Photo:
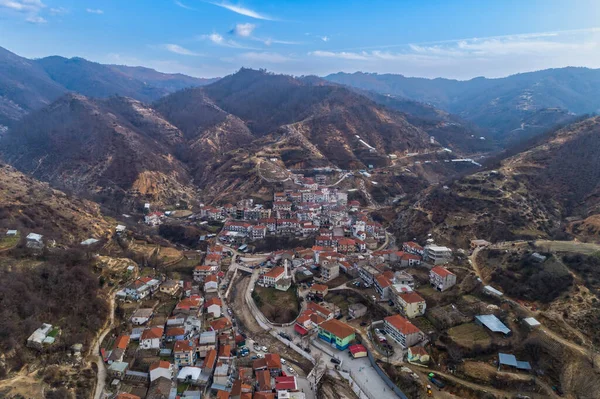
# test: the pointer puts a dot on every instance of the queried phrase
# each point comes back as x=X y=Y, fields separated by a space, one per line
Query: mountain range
x=519 y=105
x=215 y=136
x=126 y=135
x=27 y=85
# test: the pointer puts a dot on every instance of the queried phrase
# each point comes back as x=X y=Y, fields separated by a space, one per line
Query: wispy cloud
x=59 y=11
x=36 y=19
x=465 y=58
x=23 y=5
x=243 y=30
x=177 y=49
x=238 y=9
x=325 y=38
x=219 y=40
x=340 y=54
x=265 y=57
x=94 y=11
x=180 y=4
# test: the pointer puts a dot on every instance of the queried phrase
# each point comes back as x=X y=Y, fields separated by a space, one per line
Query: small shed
x=488 y=289
x=505 y=359
x=357 y=351
x=531 y=322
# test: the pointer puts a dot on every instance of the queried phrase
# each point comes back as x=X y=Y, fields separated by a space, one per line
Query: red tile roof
x=225 y=351
x=213 y=301
x=184 y=345
x=121 y=342
x=401 y=324
x=337 y=328
x=220 y=324
x=442 y=271
x=154 y=332
x=174 y=332
x=411 y=297
x=273 y=360
x=209 y=360
x=287 y=383
x=275 y=272
x=383 y=281
x=162 y=364
x=263 y=378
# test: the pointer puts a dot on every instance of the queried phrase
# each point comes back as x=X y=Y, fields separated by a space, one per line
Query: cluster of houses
x=197 y=345
x=325 y=213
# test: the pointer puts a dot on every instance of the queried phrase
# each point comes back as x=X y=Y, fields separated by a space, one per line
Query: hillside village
x=387 y=319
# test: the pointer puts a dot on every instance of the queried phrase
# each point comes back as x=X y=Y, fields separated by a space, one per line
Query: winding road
x=101 y=377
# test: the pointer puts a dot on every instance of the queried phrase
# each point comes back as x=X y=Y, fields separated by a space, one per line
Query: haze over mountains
x=537 y=100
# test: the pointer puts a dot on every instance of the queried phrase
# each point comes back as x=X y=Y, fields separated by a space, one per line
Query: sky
x=209 y=38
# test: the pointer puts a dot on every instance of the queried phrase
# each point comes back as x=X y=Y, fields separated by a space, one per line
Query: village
x=388 y=319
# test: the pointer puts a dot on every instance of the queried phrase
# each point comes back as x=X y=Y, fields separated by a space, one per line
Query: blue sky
x=455 y=39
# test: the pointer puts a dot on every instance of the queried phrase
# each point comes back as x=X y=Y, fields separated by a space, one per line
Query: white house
x=141 y=316
x=211 y=283
x=151 y=338
x=213 y=306
x=273 y=276
x=159 y=369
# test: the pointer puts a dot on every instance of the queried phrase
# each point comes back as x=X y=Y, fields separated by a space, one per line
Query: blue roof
x=493 y=323
x=523 y=365
x=506 y=359
x=511 y=360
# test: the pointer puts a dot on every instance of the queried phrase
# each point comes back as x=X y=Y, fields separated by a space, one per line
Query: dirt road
x=101 y=378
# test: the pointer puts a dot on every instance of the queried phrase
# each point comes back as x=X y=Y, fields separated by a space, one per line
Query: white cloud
x=265 y=57
x=23 y=5
x=219 y=40
x=325 y=38
x=244 y=30
x=466 y=58
x=341 y=54
x=242 y=10
x=177 y=49
x=180 y=4
x=94 y=11
x=35 y=19
x=59 y=11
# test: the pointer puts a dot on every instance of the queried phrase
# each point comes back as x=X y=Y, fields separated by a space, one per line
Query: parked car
x=291 y=370
x=283 y=361
x=335 y=361
x=264 y=348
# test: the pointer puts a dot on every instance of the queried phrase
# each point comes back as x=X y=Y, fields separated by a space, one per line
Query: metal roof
x=506 y=359
x=493 y=323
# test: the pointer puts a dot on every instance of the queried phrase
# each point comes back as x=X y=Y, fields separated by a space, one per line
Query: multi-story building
x=411 y=304
x=441 y=278
x=184 y=353
x=273 y=276
x=402 y=331
x=329 y=270
x=336 y=333
x=437 y=255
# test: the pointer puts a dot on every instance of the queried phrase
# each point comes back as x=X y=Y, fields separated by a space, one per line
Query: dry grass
x=469 y=335
x=277 y=306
